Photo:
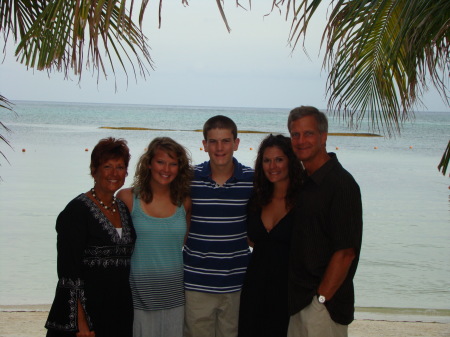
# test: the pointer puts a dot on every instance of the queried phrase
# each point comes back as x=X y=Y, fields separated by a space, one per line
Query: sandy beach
x=15 y=322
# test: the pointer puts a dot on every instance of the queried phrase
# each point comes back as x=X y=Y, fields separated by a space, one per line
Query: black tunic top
x=264 y=298
x=93 y=267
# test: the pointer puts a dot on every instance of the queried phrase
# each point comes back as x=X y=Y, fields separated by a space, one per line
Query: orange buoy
x=86 y=150
x=410 y=147
x=251 y=148
x=201 y=149
x=23 y=150
x=375 y=147
x=337 y=148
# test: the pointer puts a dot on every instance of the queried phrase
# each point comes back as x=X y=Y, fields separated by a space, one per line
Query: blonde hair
x=180 y=186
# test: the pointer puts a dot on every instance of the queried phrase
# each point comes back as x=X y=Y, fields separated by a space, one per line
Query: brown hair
x=109 y=148
x=220 y=122
x=262 y=187
x=180 y=186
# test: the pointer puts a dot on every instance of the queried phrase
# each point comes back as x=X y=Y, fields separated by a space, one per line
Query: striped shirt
x=216 y=253
x=156 y=276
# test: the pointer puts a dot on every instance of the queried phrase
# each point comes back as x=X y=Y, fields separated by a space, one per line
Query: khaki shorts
x=209 y=314
x=315 y=321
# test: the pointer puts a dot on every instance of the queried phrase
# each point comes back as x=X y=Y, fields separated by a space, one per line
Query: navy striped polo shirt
x=216 y=252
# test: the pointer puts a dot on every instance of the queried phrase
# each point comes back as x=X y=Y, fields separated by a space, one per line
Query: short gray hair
x=303 y=111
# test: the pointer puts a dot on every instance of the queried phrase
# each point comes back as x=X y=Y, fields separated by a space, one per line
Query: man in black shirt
x=327 y=234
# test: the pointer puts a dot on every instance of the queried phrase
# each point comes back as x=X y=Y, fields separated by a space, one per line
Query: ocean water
x=404 y=268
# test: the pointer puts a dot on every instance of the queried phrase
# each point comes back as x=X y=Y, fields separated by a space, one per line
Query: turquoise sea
x=404 y=270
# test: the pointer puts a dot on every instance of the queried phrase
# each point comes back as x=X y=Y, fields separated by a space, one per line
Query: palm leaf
x=16 y=17
x=68 y=31
x=443 y=165
x=380 y=56
x=5 y=104
x=364 y=79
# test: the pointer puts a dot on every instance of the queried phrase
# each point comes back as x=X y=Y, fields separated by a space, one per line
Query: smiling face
x=308 y=142
x=110 y=176
x=275 y=164
x=164 y=167
x=220 y=146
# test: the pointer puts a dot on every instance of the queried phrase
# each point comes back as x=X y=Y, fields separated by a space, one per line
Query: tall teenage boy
x=216 y=251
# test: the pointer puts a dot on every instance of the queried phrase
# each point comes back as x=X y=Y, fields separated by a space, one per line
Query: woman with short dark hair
x=95 y=241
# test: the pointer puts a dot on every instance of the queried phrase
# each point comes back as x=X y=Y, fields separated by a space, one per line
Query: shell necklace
x=111 y=208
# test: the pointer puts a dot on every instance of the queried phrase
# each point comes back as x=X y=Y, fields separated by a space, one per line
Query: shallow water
x=405 y=253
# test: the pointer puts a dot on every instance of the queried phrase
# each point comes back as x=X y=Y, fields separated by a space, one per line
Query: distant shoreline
x=344 y=134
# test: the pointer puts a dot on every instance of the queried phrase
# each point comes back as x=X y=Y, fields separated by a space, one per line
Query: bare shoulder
x=188 y=209
x=126 y=195
x=187 y=203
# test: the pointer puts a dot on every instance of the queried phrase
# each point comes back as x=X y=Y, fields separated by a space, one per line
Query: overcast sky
x=197 y=62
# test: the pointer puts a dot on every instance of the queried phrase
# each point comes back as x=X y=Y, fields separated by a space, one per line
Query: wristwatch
x=321 y=299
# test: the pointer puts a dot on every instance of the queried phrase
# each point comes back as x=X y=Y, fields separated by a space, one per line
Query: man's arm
x=336 y=272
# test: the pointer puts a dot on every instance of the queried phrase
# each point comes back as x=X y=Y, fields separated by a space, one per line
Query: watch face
x=321 y=299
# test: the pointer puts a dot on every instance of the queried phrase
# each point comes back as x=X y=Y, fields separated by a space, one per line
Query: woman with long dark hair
x=264 y=298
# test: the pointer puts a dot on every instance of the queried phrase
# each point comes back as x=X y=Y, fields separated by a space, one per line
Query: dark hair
x=220 y=122
x=180 y=186
x=303 y=111
x=262 y=187
x=109 y=148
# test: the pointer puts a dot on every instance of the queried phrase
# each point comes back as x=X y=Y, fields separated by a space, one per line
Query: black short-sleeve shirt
x=328 y=218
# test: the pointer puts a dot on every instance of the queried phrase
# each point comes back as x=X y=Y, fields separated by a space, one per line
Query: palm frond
x=68 y=30
x=5 y=104
x=428 y=45
x=16 y=17
x=381 y=55
x=443 y=165
x=364 y=78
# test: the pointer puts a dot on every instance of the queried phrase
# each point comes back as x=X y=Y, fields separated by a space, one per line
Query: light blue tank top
x=156 y=276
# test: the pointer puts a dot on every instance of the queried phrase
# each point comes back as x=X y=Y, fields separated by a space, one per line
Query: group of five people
x=171 y=255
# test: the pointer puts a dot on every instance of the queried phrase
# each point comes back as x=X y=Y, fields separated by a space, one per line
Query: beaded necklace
x=111 y=208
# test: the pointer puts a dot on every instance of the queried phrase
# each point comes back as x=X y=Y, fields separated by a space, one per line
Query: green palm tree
x=67 y=35
x=381 y=54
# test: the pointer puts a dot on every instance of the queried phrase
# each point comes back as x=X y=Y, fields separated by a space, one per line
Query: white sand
x=30 y=323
